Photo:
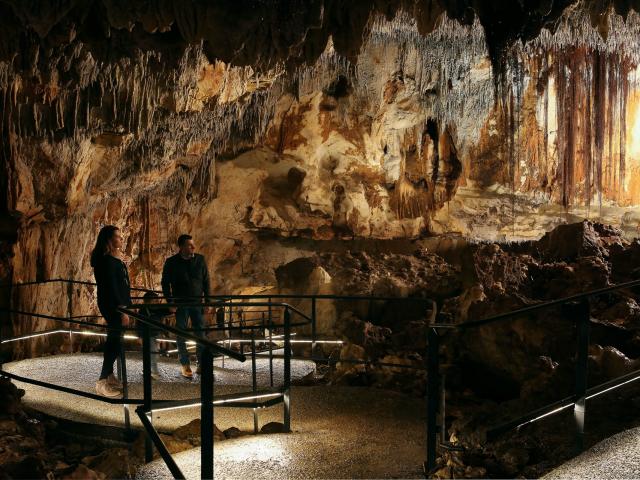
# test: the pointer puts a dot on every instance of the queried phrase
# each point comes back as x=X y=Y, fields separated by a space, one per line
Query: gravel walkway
x=338 y=432
x=80 y=371
x=617 y=457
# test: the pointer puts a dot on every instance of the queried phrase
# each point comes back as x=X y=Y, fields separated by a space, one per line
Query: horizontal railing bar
x=549 y=304
x=232 y=297
x=255 y=403
x=43 y=333
x=164 y=405
x=565 y=403
x=73 y=391
x=158 y=306
x=532 y=416
x=344 y=360
x=61 y=319
x=66 y=280
x=613 y=384
x=224 y=297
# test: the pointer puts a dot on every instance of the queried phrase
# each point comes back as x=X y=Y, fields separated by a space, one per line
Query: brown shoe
x=186 y=371
x=114 y=382
x=103 y=388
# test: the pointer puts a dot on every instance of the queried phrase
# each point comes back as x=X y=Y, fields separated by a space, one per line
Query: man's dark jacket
x=185 y=278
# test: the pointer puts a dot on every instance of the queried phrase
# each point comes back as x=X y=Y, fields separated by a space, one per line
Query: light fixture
x=70 y=332
x=218 y=402
x=614 y=387
x=559 y=409
x=33 y=335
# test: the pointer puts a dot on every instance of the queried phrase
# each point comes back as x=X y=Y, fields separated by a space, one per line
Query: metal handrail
x=184 y=334
x=63 y=319
x=577 y=400
x=540 y=306
x=66 y=280
x=144 y=411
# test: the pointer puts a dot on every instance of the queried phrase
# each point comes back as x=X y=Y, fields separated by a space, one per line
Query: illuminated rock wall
x=424 y=126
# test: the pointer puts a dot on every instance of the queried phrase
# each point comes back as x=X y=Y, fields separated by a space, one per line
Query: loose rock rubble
x=496 y=372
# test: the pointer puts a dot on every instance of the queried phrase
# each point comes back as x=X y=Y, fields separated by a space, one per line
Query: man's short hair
x=183 y=238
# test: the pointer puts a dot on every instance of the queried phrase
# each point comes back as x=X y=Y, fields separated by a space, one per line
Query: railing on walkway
x=254 y=399
x=259 y=315
x=579 y=309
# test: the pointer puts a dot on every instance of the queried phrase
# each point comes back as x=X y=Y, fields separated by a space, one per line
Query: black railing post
x=254 y=380
x=206 y=415
x=433 y=394
x=313 y=325
x=70 y=299
x=122 y=373
x=270 y=344
x=287 y=370
x=582 y=312
x=146 y=387
x=162 y=448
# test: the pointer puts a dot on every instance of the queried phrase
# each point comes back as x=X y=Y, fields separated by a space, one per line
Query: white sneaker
x=114 y=382
x=103 y=388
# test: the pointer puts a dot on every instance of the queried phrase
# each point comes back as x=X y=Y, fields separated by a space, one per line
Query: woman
x=113 y=293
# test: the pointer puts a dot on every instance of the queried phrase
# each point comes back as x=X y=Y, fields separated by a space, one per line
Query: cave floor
x=338 y=431
x=80 y=371
x=615 y=457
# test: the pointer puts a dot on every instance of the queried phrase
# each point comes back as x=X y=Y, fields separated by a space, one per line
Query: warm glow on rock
x=634 y=151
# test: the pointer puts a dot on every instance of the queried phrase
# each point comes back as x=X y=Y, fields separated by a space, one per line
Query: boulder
x=584 y=239
x=273 y=427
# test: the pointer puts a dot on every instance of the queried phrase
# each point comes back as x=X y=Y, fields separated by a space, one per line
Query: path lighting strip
x=218 y=402
x=257 y=340
x=559 y=409
x=588 y=397
x=74 y=332
x=614 y=387
x=168 y=340
x=94 y=334
x=33 y=335
x=191 y=347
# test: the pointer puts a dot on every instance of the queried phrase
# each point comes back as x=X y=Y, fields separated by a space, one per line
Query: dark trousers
x=113 y=344
x=182 y=315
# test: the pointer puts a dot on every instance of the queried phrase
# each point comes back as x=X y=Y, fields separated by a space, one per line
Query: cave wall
x=375 y=120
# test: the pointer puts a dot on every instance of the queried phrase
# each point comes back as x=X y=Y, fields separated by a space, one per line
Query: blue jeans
x=182 y=314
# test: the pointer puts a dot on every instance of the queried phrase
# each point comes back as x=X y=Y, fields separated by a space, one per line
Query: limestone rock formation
x=374 y=120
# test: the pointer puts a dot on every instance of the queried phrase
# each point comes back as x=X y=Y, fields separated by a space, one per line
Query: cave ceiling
x=262 y=33
x=315 y=120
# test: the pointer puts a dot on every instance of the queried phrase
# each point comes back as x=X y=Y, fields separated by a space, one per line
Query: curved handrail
x=217 y=304
x=62 y=319
x=578 y=400
x=181 y=333
x=66 y=280
x=233 y=297
x=147 y=404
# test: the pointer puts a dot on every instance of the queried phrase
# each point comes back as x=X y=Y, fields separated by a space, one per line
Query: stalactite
x=587 y=120
x=599 y=96
x=611 y=116
x=623 y=78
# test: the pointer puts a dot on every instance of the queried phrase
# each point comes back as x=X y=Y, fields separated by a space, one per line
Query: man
x=185 y=279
